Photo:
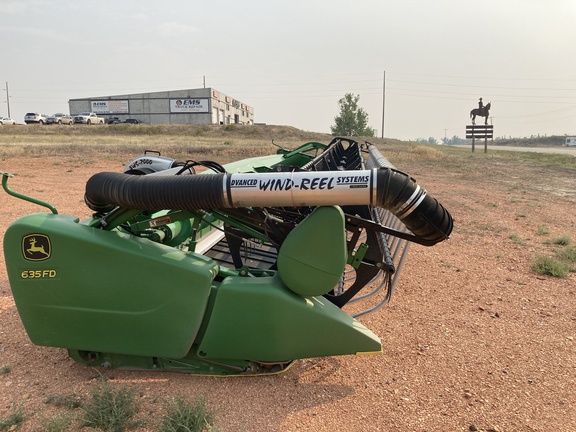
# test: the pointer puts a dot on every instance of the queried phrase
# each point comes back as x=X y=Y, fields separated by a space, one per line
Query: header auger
x=240 y=269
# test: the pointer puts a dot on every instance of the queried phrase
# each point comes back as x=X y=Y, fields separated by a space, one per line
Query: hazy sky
x=293 y=60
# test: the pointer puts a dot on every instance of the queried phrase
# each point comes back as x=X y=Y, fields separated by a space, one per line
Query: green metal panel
x=256 y=164
x=297 y=157
x=313 y=256
x=260 y=319
x=105 y=291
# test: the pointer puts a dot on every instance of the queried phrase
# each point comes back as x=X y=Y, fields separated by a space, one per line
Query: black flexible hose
x=420 y=212
x=104 y=191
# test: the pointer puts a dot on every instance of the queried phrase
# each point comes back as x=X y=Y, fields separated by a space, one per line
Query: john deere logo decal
x=36 y=247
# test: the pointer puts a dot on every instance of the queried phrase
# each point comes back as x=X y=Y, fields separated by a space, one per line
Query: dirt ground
x=472 y=339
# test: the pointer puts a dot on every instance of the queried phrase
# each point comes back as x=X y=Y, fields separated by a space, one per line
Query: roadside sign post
x=480 y=131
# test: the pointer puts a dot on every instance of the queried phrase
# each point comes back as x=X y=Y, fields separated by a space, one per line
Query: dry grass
x=232 y=142
x=412 y=153
x=221 y=143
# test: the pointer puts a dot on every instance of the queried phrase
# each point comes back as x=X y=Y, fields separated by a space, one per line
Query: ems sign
x=199 y=105
x=110 y=106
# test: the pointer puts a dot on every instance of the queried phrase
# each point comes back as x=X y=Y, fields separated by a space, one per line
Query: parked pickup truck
x=88 y=118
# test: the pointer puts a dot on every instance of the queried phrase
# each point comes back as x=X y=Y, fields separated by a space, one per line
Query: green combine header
x=240 y=269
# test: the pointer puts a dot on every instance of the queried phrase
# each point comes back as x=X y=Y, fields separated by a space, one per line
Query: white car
x=7 y=121
x=31 y=118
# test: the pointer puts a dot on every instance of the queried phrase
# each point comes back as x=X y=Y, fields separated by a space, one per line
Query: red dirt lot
x=473 y=339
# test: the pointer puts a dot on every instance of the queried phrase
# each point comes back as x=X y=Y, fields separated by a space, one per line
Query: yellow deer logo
x=36 y=247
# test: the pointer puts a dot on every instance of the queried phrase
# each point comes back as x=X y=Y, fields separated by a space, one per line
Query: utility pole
x=7 y=99
x=204 y=80
x=383 y=101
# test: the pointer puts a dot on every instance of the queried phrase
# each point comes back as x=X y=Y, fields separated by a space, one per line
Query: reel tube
x=384 y=187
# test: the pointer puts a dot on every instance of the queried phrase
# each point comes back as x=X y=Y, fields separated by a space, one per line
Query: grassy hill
x=227 y=143
x=235 y=141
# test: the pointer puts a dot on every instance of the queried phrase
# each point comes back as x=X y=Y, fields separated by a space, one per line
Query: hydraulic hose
x=389 y=188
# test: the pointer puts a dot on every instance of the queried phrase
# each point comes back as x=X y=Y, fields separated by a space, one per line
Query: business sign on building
x=109 y=106
x=199 y=105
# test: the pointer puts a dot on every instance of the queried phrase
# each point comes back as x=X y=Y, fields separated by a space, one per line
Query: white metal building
x=193 y=106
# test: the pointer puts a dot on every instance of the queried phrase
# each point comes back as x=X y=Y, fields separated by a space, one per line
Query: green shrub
x=516 y=239
x=110 y=409
x=562 y=241
x=567 y=254
x=59 y=423
x=13 y=421
x=542 y=230
x=70 y=402
x=549 y=266
x=182 y=416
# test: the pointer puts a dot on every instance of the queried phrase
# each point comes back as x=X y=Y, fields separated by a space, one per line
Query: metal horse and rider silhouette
x=481 y=111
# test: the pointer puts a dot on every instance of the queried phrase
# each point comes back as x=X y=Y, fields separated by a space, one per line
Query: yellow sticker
x=38 y=274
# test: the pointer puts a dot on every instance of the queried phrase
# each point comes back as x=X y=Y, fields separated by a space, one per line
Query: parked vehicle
x=59 y=118
x=7 y=121
x=116 y=120
x=35 y=118
x=570 y=141
x=88 y=118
